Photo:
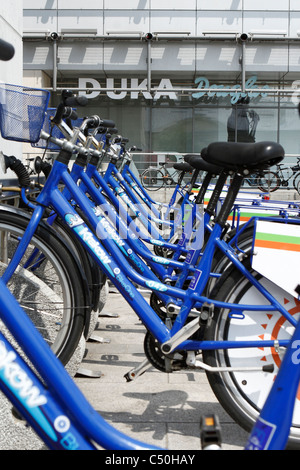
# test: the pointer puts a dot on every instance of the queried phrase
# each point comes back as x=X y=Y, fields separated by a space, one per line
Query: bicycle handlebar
x=64 y=109
x=94 y=122
x=7 y=50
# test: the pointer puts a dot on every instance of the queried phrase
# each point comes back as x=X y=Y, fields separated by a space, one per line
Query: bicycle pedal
x=210 y=432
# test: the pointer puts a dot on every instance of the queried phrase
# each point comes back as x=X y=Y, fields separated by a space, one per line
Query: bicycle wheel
x=268 y=182
x=152 y=179
x=48 y=283
x=243 y=393
x=296 y=182
x=96 y=278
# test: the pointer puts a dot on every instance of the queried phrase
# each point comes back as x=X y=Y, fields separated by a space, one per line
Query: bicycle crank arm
x=137 y=371
x=184 y=333
x=196 y=364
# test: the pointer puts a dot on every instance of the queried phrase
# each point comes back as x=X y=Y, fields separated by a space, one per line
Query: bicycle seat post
x=230 y=198
x=200 y=196
x=214 y=199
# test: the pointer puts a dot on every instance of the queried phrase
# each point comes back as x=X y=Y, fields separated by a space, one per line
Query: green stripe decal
x=278 y=238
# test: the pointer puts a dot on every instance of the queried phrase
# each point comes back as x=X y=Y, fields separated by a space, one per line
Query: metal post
x=243 y=67
x=54 y=37
x=243 y=39
x=54 y=65
x=149 y=37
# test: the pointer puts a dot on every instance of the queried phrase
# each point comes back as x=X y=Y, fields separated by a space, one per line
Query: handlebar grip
x=70 y=113
x=96 y=121
x=108 y=123
x=76 y=101
x=7 y=50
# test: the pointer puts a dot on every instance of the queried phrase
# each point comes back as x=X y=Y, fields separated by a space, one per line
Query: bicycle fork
x=23 y=243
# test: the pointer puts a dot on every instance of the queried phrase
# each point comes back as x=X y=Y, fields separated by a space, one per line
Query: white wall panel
x=217 y=57
x=128 y=5
x=294 y=59
x=265 y=21
x=266 y=5
x=142 y=16
x=11 y=71
x=80 y=56
x=219 y=21
x=294 y=5
x=173 y=58
x=133 y=21
x=177 y=21
x=294 y=23
x=219 y=4
x=80 y=5
x=267 y=57
x=38 y=56
x=80 y=20
x=120 y=57
x=39 y=4
x=174 y=5
x=40 y=20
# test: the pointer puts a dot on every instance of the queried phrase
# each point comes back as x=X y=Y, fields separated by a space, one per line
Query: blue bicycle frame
x=272 y=428
x=55 y=408
x=122 y=274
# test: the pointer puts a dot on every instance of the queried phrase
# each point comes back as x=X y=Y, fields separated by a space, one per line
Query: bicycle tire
x=296 y=182
x=152 y=179
x=268 y=183
x=53 y=291
x=243 y=393
x=96 y=278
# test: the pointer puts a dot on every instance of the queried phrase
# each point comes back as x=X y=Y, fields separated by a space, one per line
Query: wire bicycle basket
x=22 y=112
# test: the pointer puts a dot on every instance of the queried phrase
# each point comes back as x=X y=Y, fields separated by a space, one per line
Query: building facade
x=172 y=75
x=11 y=30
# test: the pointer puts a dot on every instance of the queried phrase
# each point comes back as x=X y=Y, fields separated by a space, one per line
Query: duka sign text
x=133 y=88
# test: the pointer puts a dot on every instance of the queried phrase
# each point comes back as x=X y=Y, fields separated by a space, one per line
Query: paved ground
x=163 y=409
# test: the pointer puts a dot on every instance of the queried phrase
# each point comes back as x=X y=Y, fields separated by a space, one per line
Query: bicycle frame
x=54 y=407
x=122 y=274
x=125 y=192
x=271 y=430
x=132 y=180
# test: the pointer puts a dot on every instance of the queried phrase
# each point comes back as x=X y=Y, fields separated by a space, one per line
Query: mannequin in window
x=242 y=122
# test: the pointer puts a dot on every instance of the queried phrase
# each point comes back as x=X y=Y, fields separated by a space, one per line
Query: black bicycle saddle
x=183 y=166
x=239 y=156
x=197 y=161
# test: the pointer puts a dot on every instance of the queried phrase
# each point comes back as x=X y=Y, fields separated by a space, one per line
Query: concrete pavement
x=158 y=408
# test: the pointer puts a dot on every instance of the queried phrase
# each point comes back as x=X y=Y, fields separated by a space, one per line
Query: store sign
x=235 y=94
x=133 y=84
x=132 y=88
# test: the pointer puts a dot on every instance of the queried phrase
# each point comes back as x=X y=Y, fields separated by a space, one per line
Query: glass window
x=210 y=125
x=172 y=129
x=289 y=131
x=187 y=125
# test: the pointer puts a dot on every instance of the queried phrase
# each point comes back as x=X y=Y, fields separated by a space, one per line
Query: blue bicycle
x=176 y=346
